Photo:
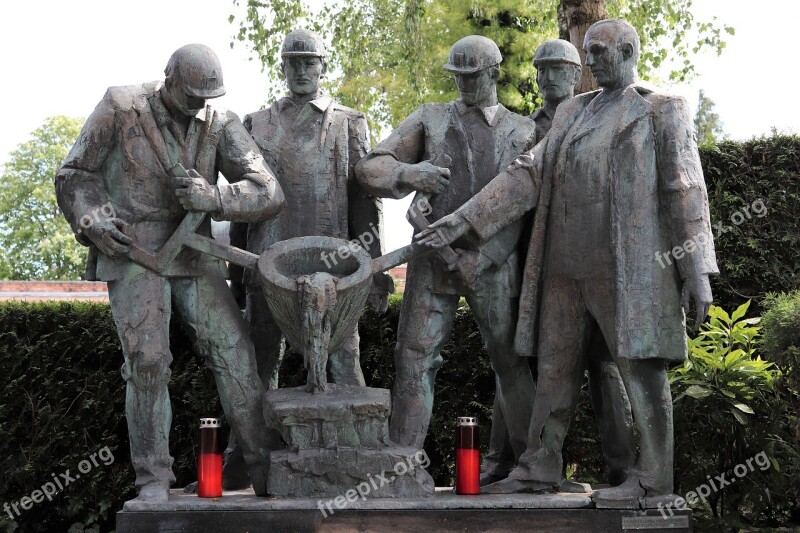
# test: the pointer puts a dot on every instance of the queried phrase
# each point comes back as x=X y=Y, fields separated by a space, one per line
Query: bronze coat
x=658 y=202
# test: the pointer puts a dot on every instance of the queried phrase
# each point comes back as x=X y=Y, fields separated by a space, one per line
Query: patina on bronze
x=617 y=180
x=312 y=143
x=450 y=151
x=558 y=68
x=132 y=154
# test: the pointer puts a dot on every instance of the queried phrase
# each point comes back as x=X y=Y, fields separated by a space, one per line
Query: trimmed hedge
x=757 y=254
x=63 y=400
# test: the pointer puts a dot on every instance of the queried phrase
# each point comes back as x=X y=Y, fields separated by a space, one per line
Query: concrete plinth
x=393 y=472
x=343 y=417
x=241 y=511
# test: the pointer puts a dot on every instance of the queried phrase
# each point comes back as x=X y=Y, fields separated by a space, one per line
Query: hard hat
x=198 y=69
x=472 y=54
x=557 y=50
x=303 y=43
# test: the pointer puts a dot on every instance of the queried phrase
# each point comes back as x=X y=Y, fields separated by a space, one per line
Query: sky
x=60 y=56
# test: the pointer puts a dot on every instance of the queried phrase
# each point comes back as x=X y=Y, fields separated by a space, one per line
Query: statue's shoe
x=630 y=489
x=234 y=473
x=259 y=474
x=487 y=478
x=574 y=487
x=517 y=486
x=155 y=491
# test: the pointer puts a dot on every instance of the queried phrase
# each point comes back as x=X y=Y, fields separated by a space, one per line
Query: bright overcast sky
x=59 y=57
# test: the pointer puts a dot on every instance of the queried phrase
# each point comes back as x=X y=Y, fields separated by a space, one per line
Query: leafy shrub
x=782 y=345
x=725 y=405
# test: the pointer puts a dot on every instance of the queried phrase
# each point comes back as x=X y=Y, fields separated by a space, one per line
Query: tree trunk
x=574 y=18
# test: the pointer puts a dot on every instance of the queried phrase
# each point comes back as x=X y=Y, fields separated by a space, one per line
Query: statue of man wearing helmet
x=446 y=153
x=129 y=161
x=616 y=180
x=312 y=143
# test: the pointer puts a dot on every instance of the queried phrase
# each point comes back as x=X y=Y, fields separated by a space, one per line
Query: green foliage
x=759 y=254
x=707 y=124
x=388 y=54
x=724 y=368
x=724 y=411
x=781 y=345
x=64 y=399
x=669 y=35
x=35 y=240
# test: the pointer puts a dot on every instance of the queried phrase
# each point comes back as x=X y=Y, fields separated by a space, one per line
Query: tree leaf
x=697 y=392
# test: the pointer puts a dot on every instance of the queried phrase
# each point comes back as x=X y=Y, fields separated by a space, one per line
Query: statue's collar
x=321 y=103
x=489 y=113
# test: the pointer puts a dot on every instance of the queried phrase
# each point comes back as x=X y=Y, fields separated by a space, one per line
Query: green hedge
x=758 y=255
x=63 y=400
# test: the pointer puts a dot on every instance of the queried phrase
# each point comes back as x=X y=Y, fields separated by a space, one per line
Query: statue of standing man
x=450 y=151
x=558 y=69
x=312 y=143
x=619 y=181
x=126 y=162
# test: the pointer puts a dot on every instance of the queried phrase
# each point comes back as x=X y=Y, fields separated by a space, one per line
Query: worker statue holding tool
x=130 y=161
x=312 y=143
x=449 y=152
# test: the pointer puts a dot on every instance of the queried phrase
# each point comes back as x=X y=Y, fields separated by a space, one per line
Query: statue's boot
x=495 y=470
x=631 y=489
x=234 y=470
x=259 y=475
x=511 y=485
x=487 y=478
x=154 y=491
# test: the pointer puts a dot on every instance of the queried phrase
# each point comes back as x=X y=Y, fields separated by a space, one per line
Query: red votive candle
x=468 y=456
x=209 y=462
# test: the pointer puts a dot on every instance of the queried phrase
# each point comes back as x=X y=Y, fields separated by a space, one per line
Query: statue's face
x=476 y=87
x=188 y=105
x=604 y=57
x=556 y=80
x=303 y=74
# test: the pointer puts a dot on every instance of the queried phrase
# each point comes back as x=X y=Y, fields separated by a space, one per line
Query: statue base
x=338 y=442
x=239 y=511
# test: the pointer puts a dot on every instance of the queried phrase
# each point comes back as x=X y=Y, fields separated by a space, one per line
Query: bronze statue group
x=548 y=225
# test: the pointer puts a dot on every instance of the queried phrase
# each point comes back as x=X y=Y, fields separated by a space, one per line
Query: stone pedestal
x=241 y=511
x=356 y=417
x=338 y=446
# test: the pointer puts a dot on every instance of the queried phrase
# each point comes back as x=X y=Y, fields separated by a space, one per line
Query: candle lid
x=210 y=423
x=467 y=421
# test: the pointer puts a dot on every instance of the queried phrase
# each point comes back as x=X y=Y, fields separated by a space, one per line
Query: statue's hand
x=426 y=177
x=470 y=265
x=444 y=231
x=196 y=194
x=382 y=287
x=108 y=234
x=698 y=289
